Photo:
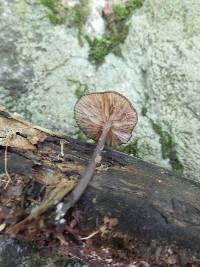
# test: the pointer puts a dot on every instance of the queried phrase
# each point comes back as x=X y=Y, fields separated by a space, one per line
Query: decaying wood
x=15 y=132
x=56 y=195
x=149 y=202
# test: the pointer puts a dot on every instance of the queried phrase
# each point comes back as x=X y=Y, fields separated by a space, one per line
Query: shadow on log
x=149 y=202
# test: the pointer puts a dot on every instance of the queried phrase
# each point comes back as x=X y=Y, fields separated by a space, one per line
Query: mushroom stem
x=75 y=195
x=9 y=179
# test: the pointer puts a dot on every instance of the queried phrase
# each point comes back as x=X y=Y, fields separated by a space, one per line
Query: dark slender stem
x=75 y=195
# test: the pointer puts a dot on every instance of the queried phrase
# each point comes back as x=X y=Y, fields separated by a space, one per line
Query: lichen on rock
x=158 y=59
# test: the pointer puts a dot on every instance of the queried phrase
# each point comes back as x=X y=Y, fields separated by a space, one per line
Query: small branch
x=9 y=180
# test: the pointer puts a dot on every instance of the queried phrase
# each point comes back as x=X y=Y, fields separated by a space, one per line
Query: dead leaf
x=63 y=188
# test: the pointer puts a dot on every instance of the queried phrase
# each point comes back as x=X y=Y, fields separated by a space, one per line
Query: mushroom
x=108 y=118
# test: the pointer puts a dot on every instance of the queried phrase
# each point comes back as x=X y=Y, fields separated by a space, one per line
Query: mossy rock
x=168 y=148
x=115 y=34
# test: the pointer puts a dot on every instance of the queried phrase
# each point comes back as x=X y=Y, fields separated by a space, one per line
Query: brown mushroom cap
x=93 y=110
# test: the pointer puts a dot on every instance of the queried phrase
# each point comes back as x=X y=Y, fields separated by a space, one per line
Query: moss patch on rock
x=168 y=148
x=81 y=89
x=59 y=14
x=55 y=12
x=115 y=33
x=144 y=108
x=80 y=13
x=116 y=24
x=131 y=148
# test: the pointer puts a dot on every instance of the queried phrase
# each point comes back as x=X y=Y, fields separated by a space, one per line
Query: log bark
x=149 y=202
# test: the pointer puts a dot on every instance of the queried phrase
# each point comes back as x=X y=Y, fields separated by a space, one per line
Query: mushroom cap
x=93 y=110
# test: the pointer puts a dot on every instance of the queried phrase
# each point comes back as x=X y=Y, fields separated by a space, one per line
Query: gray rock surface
x=15 y=253
x=42 y=67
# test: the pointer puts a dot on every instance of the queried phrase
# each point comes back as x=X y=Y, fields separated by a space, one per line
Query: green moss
x=109 y=42
x=144 y=108
x=58 y=14
x=80 y=88
x=78 y=17
x=51 y=4
x=131 y=148
x=157 y=128
x=55 y=19
x=133 y=4
x=99 y=48
x=168 y=148
x=80 y=13
x=80 y=136
x=79 y=92
x=144 y=111
x=116 y=25
x=115 y=33
x=120 y=11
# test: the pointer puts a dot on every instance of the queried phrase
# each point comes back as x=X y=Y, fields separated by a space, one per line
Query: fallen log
x=149 y=202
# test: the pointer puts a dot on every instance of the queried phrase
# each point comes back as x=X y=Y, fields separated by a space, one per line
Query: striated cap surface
x=93 y=110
